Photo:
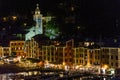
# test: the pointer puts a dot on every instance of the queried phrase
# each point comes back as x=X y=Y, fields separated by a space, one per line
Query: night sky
x=95 y=17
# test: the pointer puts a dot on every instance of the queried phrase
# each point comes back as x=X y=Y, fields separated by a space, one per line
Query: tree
x=51 y=29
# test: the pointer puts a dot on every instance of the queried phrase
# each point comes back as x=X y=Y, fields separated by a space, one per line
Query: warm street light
x=63 y=63
x=104 y=68
x=14 y=18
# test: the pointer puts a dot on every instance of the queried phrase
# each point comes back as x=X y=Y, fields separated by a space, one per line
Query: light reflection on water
x=21 y=75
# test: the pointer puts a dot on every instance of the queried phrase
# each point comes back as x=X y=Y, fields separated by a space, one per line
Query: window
x=98 y=52
x=95 y=57
x=48 y=58
x=82 y=61
x=116 y=64
x=116 y=57
x=90 y=56
x=52 y=54
x=52 y=59
x=111 y=56
x=90 y=62
x=70 y=60
x=85 y=54
x=85 y=51
x=11 y=43
x=81 y=55
x=111 y=64
x=98 y=57
x=48 y=54
x=85 y=62
x=65 y=60
x=65 y=54
x=77 y=61
x=103 y=56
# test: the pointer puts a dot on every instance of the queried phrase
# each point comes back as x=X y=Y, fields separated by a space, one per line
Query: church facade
x=38 y=28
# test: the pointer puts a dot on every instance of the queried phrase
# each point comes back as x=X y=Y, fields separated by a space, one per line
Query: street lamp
x=104 y=68
x=14 y=17
x=63 y=63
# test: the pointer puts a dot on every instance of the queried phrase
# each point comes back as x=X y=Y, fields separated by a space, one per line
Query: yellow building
x=60 y=55
x=79 y=56
x=17 y=48
x=97 y=57
x=67 y=55
x=49 y=53
x=94 y=57
x=1 y=51
x=87 y=57
x=5 y=51
x=32 y=49
x=110 y=57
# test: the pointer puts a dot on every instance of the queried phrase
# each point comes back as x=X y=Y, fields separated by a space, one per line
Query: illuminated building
x=51 y=30
x=49 y=53
x=68 y=56
x=110 y=57
x=38 y=28
x=17 y=48
x=1 y=52
x=93 y=57
x=87 y=57
x=65 y=54
x=97 y=57
x=32 y=49
x=69 y=52
x=79 y=56
x=60 y=54
x=5 y=51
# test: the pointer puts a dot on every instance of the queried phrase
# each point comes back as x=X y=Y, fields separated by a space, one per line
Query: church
x=38 y=28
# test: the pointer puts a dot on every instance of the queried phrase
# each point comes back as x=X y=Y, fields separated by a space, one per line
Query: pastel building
x=32 y=49
x=49 y=54
x=68 y=56
x=5 y=51
x=17 y=48
x=60 y=55
x=111 y=57
x=79 y=56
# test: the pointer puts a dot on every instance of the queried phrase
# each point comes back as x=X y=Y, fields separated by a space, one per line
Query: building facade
x=79 y=56
x=65 y=55
x=110 y=57
x=38 y=28
x=17 y=48
x=49 y=54
x=5 y=51
x=32 y=49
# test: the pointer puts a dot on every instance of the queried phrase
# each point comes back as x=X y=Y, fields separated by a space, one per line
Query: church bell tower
x=37 y=17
